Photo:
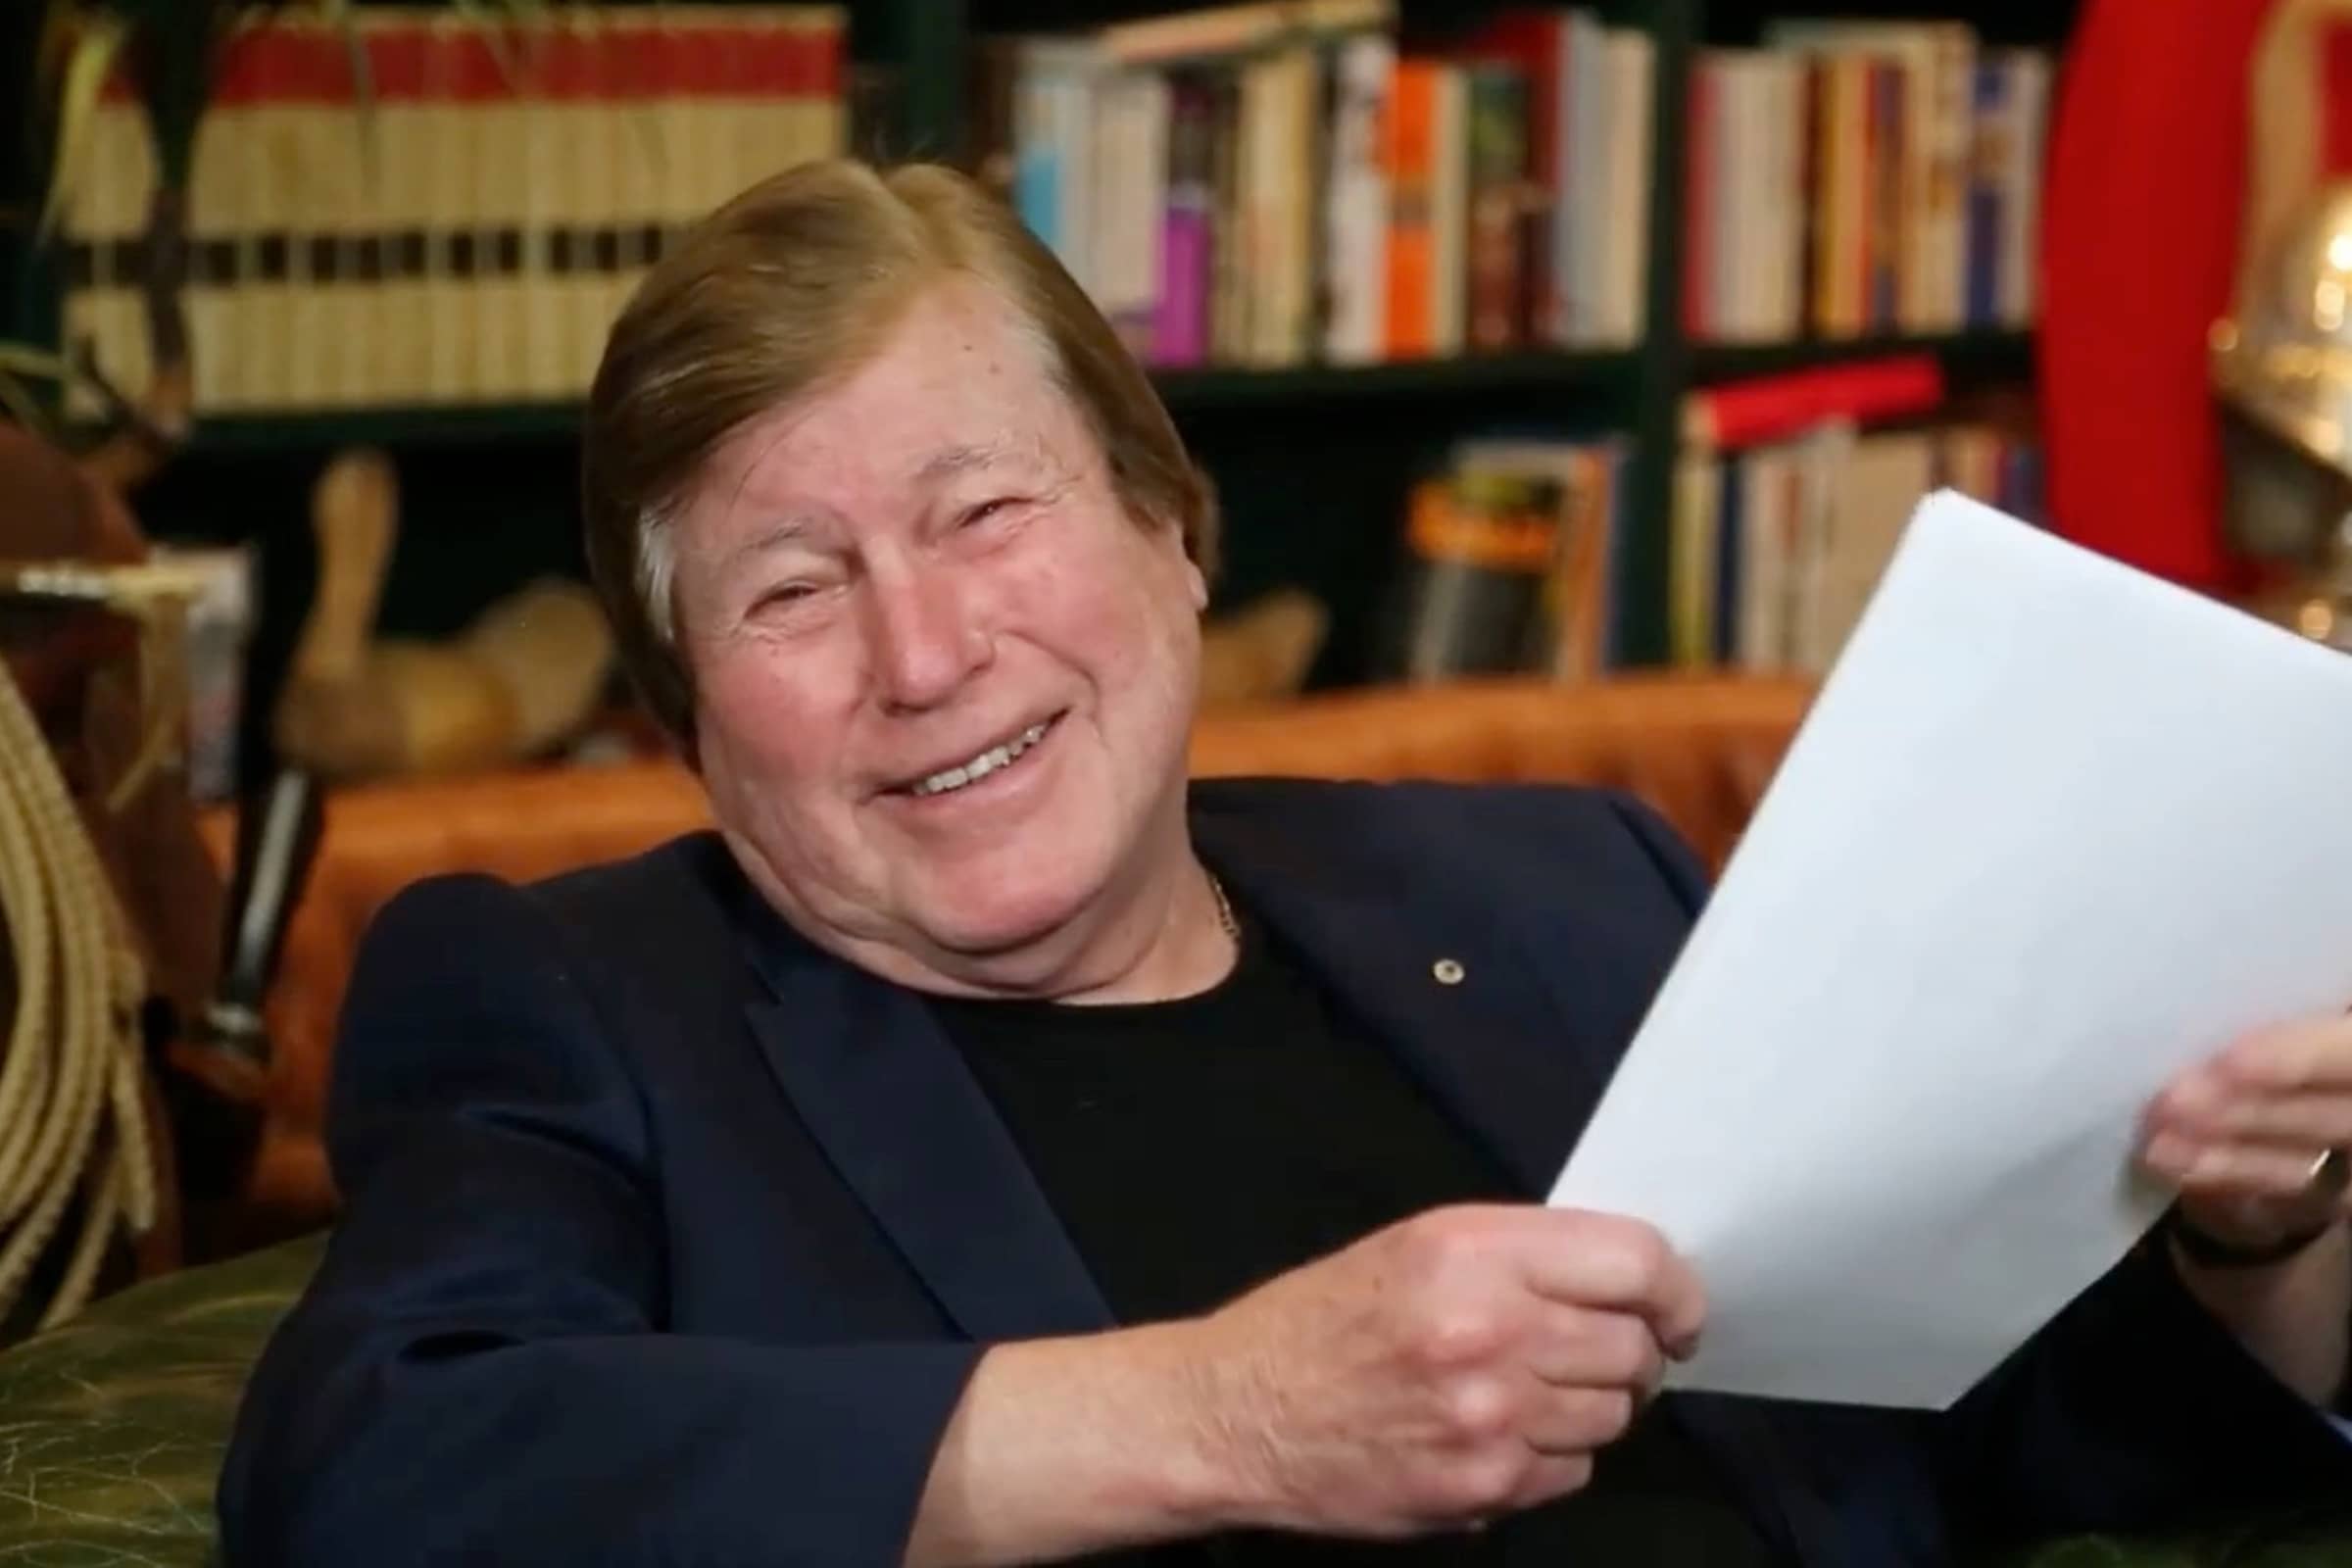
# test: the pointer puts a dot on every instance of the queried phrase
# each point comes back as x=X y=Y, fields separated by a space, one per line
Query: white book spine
x=1131 y=190
x=502 y=313
x=592 y=130
x=541 y=155
x=1793 y=198
x=1584 y=220
x=1356 y=215
x=216 y=224
x=337 y=168
x=285 y=367
x=401 y=368
x=1631 y=102
x=447 y=159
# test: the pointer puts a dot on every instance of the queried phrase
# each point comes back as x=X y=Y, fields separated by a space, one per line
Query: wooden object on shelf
x=1261 y=651
x=516 y=682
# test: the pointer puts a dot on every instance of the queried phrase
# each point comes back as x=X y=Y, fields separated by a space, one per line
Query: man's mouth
x=964 y=774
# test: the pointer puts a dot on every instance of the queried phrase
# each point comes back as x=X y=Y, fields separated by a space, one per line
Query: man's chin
x=996 y=924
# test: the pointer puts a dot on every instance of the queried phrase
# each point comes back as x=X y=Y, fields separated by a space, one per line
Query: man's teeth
x=979 y=767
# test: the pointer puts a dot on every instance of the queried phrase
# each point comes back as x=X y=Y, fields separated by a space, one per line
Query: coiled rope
x=71 y=1118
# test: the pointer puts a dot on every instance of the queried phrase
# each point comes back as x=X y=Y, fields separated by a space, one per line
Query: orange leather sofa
x=1699 y=750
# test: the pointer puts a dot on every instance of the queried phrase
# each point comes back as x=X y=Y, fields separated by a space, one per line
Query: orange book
x=1410 y=154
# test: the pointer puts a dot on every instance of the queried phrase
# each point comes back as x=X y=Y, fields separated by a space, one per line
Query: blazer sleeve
x=2132 y=1409
x=479 y=1372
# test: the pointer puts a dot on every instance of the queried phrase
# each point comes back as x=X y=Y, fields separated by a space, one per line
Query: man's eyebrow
x=967 y=457
x=775 y=536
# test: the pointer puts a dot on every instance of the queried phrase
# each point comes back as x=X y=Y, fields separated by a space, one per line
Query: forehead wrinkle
x=796 y=523
x=751 y=462
x=972 y=456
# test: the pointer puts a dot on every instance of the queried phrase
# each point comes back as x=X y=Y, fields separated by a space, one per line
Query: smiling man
x=989 y=1148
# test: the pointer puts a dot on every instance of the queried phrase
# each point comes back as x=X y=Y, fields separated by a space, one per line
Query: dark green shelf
x=1242 y=387
x=1602 y=374
x=1974 y=354
x=430 y=426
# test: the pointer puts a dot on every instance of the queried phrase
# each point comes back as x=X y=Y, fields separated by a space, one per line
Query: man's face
x=942 y=681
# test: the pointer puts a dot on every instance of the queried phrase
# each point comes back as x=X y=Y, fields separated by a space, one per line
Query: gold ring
x=2331 y=1173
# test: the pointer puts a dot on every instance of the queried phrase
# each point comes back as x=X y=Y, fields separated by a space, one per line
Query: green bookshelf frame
x=919 y=49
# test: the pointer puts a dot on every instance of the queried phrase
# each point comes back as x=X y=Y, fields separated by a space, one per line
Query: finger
x=2309 y=1053
x=2202 y=1112
x=1575 y=1347
x=2233 y=1170
x=1571 y=1421
x=1612 y=1262
x=1551 y=1476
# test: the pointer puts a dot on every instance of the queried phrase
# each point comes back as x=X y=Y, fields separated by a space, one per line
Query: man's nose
x=925 y=637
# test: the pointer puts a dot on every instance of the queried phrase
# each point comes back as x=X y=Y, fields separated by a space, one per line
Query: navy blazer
x=671 y=1239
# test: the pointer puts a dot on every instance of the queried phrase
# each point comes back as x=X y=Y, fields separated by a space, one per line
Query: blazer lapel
x=914 y=1135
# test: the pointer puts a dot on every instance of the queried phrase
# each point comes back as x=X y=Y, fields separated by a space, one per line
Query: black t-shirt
x=1197 y=1148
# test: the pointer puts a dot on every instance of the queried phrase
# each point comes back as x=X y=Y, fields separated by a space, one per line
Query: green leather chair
x=112 y=1431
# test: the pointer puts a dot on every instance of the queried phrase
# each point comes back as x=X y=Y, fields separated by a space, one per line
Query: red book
x=1772 y=407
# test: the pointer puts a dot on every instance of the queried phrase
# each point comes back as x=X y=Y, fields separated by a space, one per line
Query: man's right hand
x=1459 y=1365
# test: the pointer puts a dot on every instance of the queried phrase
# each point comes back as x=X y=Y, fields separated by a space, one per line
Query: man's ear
x=1196 y=584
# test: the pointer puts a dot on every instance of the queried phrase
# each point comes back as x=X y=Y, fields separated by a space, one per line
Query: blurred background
x=1561 y=340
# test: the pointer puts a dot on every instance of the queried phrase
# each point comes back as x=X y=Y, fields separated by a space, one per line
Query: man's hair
x=788 y=290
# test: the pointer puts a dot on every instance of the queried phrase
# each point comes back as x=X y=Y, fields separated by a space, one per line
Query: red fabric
x=2141 y=208
x=2335 y=136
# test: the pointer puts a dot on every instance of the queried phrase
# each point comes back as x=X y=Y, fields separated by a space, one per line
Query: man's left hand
x=2245 y=1136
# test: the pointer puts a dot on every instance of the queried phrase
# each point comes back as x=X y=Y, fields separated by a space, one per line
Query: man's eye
x=789 y=594
x=985 y=511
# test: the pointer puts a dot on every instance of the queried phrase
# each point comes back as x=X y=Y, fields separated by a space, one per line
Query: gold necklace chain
x=1233 y=927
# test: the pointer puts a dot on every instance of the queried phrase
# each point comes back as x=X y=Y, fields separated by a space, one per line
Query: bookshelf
x=502 y=471
x=1965 y=355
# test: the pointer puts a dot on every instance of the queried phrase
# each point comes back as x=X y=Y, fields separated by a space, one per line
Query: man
x=986 y=1148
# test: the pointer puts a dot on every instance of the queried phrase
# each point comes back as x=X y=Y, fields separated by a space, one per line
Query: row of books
x=1778 y=547
x=427 y=204
x=1863 y=177
x=1277 y=183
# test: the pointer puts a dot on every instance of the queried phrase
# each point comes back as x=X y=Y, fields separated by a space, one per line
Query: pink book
x=1180 y=328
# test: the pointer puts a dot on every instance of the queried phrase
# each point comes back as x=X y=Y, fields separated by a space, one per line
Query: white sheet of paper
x=2052 y=830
